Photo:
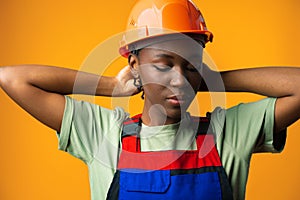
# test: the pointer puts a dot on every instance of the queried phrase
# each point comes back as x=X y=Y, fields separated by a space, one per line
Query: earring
x=138 y=84
x=143 y=95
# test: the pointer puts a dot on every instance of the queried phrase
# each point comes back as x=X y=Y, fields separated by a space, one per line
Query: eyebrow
x=162 y=55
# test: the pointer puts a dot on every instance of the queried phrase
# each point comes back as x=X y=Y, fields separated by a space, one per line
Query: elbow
x=9 y=77
x=4 y=76
x=2 y=71
x=1 y=74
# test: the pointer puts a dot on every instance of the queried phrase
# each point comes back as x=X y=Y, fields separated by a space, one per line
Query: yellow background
x=62 y=33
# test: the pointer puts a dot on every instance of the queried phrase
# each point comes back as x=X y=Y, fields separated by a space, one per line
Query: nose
x=179 y=78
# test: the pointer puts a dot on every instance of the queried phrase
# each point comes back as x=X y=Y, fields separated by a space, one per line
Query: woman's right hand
x=124 y=83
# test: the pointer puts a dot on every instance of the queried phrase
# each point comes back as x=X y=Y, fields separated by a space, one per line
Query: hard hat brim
x=125 y=50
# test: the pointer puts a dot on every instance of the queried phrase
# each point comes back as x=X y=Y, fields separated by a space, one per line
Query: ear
x=133 y=62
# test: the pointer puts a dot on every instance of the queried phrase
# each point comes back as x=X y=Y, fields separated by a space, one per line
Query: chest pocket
x=167 y=184
x=146 y=182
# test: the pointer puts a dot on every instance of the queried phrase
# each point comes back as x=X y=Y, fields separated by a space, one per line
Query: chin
x=176 y=113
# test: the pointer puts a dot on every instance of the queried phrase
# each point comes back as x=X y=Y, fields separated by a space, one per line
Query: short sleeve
x=241 y=131
x=249 y=127
x=85 y=126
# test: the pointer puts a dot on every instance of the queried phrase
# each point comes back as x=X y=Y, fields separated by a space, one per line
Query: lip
x=176 y=100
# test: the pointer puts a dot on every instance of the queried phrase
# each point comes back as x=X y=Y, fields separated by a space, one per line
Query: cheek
x=195 y=81
x=153 y=88
x=155 y=93
x=154 y=77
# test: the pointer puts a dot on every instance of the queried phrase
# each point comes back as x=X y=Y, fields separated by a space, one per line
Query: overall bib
x=171 y=174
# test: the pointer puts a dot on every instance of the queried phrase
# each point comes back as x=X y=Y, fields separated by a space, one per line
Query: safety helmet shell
x=152 y=18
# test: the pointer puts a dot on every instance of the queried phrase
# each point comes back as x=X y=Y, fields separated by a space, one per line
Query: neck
x=156 y=116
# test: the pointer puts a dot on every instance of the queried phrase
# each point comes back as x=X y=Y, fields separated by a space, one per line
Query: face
x=170 y=73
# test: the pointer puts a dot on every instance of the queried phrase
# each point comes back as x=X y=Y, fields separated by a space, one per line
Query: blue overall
x=172 y=174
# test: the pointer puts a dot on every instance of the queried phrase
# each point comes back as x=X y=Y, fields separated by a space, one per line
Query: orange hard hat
x=153 y=18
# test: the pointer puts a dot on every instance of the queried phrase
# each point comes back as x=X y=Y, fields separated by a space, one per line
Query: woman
x=169 y=72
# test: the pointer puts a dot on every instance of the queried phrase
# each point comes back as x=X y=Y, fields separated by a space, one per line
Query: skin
x=165 y=71
x=169 y=80
x=40 y=90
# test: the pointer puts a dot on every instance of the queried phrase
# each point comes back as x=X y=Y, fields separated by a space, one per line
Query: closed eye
x=162 y=68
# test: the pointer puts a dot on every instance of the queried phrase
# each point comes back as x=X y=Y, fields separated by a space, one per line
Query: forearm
x=280 y=82
x=267 y=81
x=39 y=90
x=56 y=80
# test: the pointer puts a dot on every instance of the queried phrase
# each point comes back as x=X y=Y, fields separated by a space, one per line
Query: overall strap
x=132 y=126
x=203 y=125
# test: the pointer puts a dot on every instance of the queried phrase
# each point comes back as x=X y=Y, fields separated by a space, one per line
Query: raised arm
x=40 y=90
x=280 y=82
